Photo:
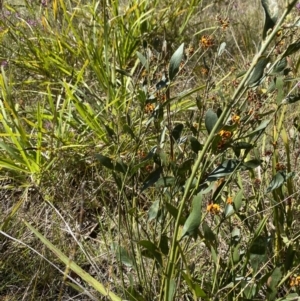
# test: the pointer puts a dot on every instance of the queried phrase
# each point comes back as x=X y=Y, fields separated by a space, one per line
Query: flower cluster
x=229 y=200
x=149 y=108
x=224 y=23
x=225 y=137
x=213 y=208
x=206 y=41
x=295 y=281
x=280 y=167
x=236 y=119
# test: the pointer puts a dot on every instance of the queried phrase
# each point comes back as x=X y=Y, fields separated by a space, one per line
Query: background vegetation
x=149 y=150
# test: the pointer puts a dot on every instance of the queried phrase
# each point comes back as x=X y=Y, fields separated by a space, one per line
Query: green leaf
x=251 y=164
x=149 y=245
x=163 y=244
x=194 y=287
x=153 y=211
x=229 y=210
x=275 y=278
x=272 y=282
x=176 y=132
x=151 y=250
x=184 y=167
x=108 y=163
x=294 y=47
x=151 y=179
x=258 y=252
x=211 y=119
x=242 y=145
x=238 y=200
x=277 y=181
x=194 y=219
x=195 y=144
x=175 y=61
x=260 y=128
x=110 y=132
x=236 y=254
x=279 y=67
x=122 y=255
x=207 y=232
x=143 y=60
x=223 y=170
x=257 y=73
x=271 y=15
x=165 y=182
x=236 y=234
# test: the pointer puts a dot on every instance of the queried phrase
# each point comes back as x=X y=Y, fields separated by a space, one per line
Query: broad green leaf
x=151 y=179
x=258 y=253
x=143 y=60
x=127 y=129
x=153 y=211
x=236 y=254
x=207 y=232
x=251 y=164
x=238 y=200
x=223 y=170
x=279 y=67
x=122 y=254
x=271 y=15
x=175 y=61
x=163 y=244
x=294 y=47
x=211 y=119
x=184 y=167
x=257 y=73
x=229 y=210
x=242 y=145
x=272 y=282
x=194 y=287
x=105 y=161
x=149 y=245
x=277 y=181
x=108 y=163
x=176 y=132
x=209 y=188
x=236 y=234
x=194 y=219
x=195 y=144
x=260 y=128
x=110 y=132
x=165 y=182
x=275 y=278
x=151 y=250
